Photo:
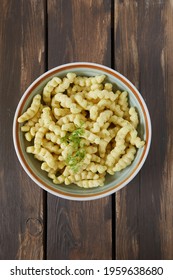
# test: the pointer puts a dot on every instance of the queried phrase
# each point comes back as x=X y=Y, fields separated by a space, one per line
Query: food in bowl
x=112 y=183
x=80 y=129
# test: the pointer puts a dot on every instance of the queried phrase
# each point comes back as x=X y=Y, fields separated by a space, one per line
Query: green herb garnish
x=75 y=157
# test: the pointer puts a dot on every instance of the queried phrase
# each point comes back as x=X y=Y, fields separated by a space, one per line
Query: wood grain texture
x=144 y=31
x=150 y=45
x=166 y=198
x=21 y=60
x=127 y=62
x=79 y=230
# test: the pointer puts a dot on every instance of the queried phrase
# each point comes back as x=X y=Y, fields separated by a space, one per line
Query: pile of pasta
x=80 y=129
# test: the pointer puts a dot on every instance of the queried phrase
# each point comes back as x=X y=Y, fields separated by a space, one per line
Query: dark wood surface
x=135 y=37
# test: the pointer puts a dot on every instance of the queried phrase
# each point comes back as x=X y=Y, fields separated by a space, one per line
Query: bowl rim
x=94 y=66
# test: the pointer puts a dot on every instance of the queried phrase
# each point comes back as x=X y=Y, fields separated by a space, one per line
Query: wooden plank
x=79 y=31
x=126 y=62
x=142 y=206
x=166 y=199
x=152 y=86
x=21 y=60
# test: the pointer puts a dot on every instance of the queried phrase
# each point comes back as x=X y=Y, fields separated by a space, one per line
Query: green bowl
x=114 y=182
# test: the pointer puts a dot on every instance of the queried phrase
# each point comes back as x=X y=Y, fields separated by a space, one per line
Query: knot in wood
x=34 y=226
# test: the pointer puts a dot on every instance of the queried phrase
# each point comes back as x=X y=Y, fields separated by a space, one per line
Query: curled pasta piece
x=95 y=158
x=101 y=105
x=46 y=117
x=56 y=179
x=123 y=102
x=80 y=81
x=94 y=94
x=104 y=133
x=44 y=155
x=93 y=138
x=68 y=127
x=133 y=117
x=96 y=167
x=105 y=103
x=25 y=128
x=86 y=161
x=119 y=121
x=68 y=150
x=84 y=175
x=101 y=120
x=113 y=132
x=108 y=86
x=39 y=136
x=77 y=119
x=94 y=112
x=65 y=83
x=126 y=159
x=47 y=157
x=102 y=147
x=115 y=155
x=32 y=110
x=48 y=89
x=83 y=81
x=96 y=86
x=30 y=149
x=47 y=168
x=67 y=102
x=67 y=171
x=134 y=139
x=97 y=79
x=87 y=125
x=75 y=89
x=60 y=112
x=82 y=101
x=34 y=129
x=47 y=120
x=51 y=136
x=121 y=135
x=28 y=136
x=119 y=148
x=55 y=103
x=30 y=123
x=117 y=110
x=91 y=149
x=71 y=77
x=51 y=147
x=63 y=86
x=90 y=183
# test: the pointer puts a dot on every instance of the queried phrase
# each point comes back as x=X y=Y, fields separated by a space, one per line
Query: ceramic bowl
x=113 y=183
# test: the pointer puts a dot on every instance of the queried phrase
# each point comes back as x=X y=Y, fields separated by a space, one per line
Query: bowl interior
x=32 y=166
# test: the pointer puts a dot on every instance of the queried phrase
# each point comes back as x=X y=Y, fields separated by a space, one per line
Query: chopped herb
x=74 y=160
x=76 y=134
x=77 y=155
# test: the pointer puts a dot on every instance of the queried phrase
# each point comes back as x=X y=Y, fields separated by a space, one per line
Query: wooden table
x=135 y=37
